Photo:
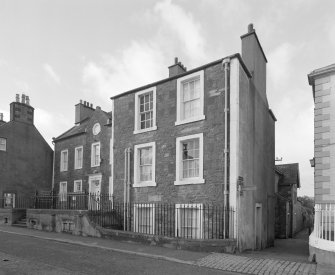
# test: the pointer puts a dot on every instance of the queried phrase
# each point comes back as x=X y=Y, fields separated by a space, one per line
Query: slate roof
x=290 y=174
x=75 y=130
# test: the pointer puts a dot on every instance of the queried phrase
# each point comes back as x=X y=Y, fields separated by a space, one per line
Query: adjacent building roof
x=321 y=71
x=290 y=174
x=75 y=130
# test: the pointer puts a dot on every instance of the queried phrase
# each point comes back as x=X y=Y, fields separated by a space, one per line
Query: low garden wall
x=77 y=222
x=11 y=215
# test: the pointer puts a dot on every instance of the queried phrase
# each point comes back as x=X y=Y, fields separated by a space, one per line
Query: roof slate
x=290 y=174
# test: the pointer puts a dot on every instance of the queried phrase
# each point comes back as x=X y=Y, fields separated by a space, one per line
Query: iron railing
x=190 y=221
x=324 y=222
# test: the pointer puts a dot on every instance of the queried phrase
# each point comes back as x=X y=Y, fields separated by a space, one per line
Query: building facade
x=322 y=243
x=290 y=214
x=82 y=162
x=197 y=137
x=26 y=159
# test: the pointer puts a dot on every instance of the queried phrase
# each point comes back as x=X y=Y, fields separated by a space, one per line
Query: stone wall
x=165 y=138
x=86 y=139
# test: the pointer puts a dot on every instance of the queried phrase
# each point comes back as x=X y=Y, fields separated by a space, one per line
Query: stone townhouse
x=322 y=240
x=203 y=136
x=25 y=157
x=82 y=153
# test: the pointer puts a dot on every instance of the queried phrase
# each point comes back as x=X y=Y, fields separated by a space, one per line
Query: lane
x=26 y=255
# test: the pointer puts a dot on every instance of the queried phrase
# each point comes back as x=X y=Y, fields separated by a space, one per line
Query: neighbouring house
x=290 y=215
x=322 y=239
x=26 y=159
x=200 y=137
x=82 y=154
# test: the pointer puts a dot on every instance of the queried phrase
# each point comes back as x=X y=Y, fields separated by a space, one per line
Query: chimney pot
x=81 y=101
x=250 y=28
x=85 y=103
x=91 y=105
x=27 y=100
x=17 y=99
x=23 y=98
x=176 y=60
x=1 y=116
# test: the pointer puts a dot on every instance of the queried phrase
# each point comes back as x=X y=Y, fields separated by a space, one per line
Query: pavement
x=288 y=256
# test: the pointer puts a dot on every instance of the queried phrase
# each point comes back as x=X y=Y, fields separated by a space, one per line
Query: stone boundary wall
x=9 y=215
x=77 y=222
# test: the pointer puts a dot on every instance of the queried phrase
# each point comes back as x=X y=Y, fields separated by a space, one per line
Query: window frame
x=76 y=166
x=4 y=144
x=137 y=120
x=62 y=166
x=62 y=195
x=81 y=186
x=179 y=162
x=199 y=220
x=180 y=81
x=151 y=206
x=137 y=182
x=92 y=162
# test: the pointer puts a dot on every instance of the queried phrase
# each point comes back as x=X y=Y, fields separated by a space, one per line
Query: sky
x=59 y=52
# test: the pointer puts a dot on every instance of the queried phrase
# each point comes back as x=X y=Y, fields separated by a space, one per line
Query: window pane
x=144 y=217
x=145 y=164
x=190 y=161
x=146 y=110
x=191 y=99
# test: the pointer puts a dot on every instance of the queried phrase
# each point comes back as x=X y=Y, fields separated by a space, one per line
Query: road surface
x=28 y=255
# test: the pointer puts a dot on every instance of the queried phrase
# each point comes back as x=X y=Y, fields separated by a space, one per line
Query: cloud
x=183 y=25
x=49 y=124
x=51 y=72
x=146 y=61
x=139 y=64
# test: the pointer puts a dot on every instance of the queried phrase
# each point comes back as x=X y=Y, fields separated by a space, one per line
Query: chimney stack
x=177 y=68
x=83 y=110
x=22 y=111
x=1 y=116
x=254 y=58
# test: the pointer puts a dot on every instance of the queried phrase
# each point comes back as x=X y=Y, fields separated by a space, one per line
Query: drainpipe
x=53 y=167
x=125 y=189
x=128 y=189
x=226 y=63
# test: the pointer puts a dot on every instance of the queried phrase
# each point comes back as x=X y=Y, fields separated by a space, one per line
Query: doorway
x=258 y=226
x=94 y=190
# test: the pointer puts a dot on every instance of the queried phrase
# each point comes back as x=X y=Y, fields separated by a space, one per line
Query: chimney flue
x=176 y=60
x=27 y=100
x=1 y=116
x=91 y=105
x=17 y=98
x=250 y=28
x=23 y=98
x=81 y=102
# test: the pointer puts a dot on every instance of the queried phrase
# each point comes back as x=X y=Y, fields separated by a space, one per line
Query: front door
x=94 y=190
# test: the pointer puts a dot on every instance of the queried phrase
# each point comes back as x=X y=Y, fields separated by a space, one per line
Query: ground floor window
x=63 y=191
x=189 y=221
x=9 y=200
x=144 y=218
